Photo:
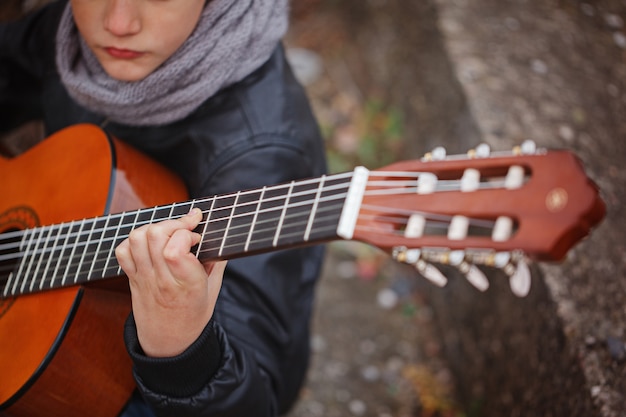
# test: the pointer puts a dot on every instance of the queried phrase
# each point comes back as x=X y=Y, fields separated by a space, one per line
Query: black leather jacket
x=252 y=357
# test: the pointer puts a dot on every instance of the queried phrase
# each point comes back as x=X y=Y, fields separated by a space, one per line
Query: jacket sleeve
x=26 y=54
x=259 y=334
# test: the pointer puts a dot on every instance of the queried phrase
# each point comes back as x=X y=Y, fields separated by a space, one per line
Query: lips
x=122 y=53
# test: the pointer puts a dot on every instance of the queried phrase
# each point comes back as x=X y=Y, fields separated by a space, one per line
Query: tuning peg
x=528 y=147
x=472 y=273
x=427 y=183
x=427 y=270
x=515 y=266
x=431 y=273
x=481 y=151
x=437 y=154
x=520 y=280
x=514 y=178
x=470 y=181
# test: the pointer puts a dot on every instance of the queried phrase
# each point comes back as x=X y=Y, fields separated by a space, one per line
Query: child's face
x=132 y=38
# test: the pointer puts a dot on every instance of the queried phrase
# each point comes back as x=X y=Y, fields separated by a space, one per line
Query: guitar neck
x=244 y=223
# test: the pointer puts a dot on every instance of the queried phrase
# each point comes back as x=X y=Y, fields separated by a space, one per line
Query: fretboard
x=234 y=225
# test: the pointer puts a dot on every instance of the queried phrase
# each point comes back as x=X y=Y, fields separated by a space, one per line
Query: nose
x=122 y=18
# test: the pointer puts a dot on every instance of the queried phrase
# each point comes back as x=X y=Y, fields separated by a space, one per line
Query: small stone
x=617 y=348
x=336 y=370
x=539 y=67
x=512 y=23
x=342 y=395
x=595 y=390
x=387 y=298
x=588 y=9
x=316 y=408
x=318 y=343
x=357 y=407
x=370 y=373
x=590 y=341
x=614 y=21
x=620 y=39
x=613 y=90
x=346 y=269
x=566 y=133
x=367 y=347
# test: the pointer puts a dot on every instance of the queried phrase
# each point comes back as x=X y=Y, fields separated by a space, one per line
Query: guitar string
x=431 y=216
x=46 y=281
x=136 y=214
x=230 y=236
x=100 y=231
x=449 y=185
x=11 y=236
x=442 y=185
x=441 y=225
x=18 y=233
x=13 y=244
x=391 y=220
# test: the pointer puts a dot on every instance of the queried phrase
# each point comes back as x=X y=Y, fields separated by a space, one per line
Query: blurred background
x=391 y=80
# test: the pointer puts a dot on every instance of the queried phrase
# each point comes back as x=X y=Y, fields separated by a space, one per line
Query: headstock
x=485 y=208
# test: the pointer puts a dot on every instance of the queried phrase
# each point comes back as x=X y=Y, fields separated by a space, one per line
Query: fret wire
x=93 y=263
x=119 y=267
x=304 y=203
x=50 y=257
x=318 y=194
x=70 y=234
x=272 y=228
x=9 y=235
x=230 y=218
x=45 y=244
x=21 y=273
x=366 y=207
x=205 y=251
x=16 y=276
x=117 y=235
x=265 y=221
x=110 y=251
x=27 y=274
x=204 y=229
x=254 y=219
x=328 y=228
x=60 y=235
x=120 y=215
x=82 y=258
x=282 y=216
x=70 y=225
x=72 y=252
x=8 y=284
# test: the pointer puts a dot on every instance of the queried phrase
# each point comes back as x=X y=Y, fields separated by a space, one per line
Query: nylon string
x=399 y=187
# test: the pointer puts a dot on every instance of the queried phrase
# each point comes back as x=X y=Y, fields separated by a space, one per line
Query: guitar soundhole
x=12 y=222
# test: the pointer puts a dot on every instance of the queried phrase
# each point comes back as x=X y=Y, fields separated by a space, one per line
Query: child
x=204 y=88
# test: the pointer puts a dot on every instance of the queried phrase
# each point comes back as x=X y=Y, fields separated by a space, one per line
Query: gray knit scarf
x=232 y=39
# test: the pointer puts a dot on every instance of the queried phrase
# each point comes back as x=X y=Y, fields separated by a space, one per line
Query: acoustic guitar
x=69 y=201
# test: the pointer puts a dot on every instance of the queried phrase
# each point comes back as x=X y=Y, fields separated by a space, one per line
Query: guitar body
x=62 y=352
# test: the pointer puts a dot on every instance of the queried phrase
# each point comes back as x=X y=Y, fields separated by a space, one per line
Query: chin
x=127 y=76
x=126 y=71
